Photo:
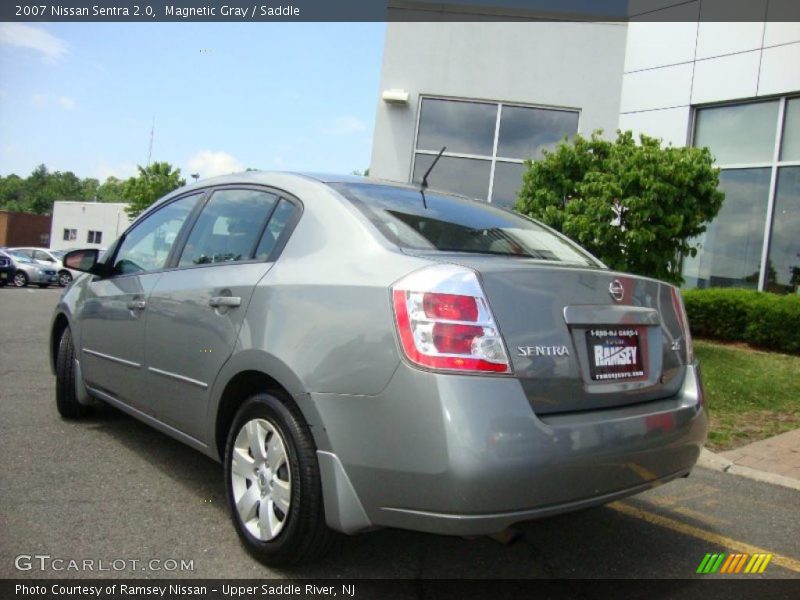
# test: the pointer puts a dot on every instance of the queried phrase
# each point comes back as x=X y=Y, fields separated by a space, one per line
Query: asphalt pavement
x=111 y=489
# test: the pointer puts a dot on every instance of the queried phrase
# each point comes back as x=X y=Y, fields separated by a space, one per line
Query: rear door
x=196 y=310
x=114 y=311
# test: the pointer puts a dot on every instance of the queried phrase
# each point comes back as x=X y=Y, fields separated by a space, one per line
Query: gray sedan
x=361 y=354
x=51 y=259
x=28 y=271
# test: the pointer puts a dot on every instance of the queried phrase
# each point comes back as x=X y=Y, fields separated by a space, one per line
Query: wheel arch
x=249 y=373
x=60 y=324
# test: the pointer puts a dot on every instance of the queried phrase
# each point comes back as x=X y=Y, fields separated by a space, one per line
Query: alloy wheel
x=20 y=279
x=64 y=278
x=261 y=479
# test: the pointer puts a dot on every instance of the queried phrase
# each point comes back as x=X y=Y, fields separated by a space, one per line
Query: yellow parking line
x=713 y=538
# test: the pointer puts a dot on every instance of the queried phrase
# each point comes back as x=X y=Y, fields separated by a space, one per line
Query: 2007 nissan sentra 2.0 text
x=360 y=354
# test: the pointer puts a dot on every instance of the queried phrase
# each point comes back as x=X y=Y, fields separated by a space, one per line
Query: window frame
x=175 y=252
x=183 y=240
x=775 y=164
x=494 y=158
x=111 y=259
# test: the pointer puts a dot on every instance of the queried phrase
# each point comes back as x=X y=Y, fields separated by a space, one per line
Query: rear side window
x=452 y=224
x=229 y=227
x=280 y=219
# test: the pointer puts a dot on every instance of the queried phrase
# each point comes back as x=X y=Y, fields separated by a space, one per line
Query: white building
x=87 y=224
x=495 y=93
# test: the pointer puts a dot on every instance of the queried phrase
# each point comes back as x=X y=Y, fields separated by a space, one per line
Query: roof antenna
x=424 y=183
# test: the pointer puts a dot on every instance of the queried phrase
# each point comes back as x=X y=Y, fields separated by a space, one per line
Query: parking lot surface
x=111 y=489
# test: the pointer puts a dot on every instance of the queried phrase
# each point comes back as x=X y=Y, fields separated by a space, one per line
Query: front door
x=115 y=310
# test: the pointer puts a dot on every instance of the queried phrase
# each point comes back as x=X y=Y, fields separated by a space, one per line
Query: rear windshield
x=452 y=224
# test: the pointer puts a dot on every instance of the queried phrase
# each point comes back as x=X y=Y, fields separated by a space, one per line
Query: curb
x=715 y=462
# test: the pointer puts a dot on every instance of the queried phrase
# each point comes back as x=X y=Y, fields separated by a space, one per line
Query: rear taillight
x=444 y=322
x=680 y=310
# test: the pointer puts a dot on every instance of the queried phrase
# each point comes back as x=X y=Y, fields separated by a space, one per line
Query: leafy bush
x=762 y=319
x=633 y=205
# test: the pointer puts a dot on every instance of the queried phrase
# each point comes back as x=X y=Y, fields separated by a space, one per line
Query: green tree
x=38 y=195
x=89 y=187
x=635 y=206
x=12 y=193
x=152 y=182
x=111 y=190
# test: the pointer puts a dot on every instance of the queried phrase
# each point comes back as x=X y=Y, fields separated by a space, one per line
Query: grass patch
x=750 y=394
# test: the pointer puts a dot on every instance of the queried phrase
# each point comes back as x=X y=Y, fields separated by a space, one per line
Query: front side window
x=449 y=224
x=487 y=143
x=229 y=227
x=147 y=246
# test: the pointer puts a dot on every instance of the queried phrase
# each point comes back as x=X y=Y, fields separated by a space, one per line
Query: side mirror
x=84 y=260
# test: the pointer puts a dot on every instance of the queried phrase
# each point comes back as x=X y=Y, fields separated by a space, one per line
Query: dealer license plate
x=614 y=354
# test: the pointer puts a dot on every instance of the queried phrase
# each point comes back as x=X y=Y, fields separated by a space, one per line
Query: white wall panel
x=780 y=70
x=726 y=78
x=658 y=88
x=653 y=44
x=718 y=39
x=781 y=33
x=671 y=124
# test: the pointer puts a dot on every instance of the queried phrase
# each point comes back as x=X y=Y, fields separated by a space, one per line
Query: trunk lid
x=561 y=323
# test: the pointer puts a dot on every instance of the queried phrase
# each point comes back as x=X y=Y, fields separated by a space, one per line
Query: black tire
x=305 y=536
x=66 y=398
x=20 y=279
x=64 y=278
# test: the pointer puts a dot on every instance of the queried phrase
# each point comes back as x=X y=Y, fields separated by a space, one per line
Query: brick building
x=24 y=229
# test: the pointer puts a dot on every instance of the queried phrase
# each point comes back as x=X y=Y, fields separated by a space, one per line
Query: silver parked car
x=26 y=270
x=360 y=354
x=49 y=258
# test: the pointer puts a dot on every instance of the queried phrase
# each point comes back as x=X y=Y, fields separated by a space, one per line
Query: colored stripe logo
x=733 y=563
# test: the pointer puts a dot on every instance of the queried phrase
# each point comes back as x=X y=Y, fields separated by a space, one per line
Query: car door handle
x=228 y=301
x=137 y=305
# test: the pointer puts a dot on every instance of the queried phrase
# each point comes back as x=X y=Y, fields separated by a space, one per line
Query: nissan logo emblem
x=616 y=290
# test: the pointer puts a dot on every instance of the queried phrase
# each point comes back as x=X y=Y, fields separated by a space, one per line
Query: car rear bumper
x=467 y=455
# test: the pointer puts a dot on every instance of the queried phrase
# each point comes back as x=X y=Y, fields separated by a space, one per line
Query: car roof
x=271 y=177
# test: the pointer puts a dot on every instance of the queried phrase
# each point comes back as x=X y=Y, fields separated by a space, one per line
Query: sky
x=82 y=97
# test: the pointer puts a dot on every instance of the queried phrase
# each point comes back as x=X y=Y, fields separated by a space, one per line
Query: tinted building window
x=465 y=176
x=757 y=145
x=487 y=143
x=783 y=266
x=527 y=132
x=744 y=133
x=729 y=252
x=464 y=127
